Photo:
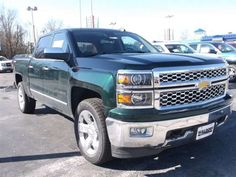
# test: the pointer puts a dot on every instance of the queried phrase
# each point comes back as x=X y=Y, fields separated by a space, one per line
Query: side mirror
x=55 y=53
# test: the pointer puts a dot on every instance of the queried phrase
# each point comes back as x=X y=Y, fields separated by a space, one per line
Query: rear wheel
x=90 y=131
x=26 y=104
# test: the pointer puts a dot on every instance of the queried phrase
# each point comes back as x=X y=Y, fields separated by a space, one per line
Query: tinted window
x=43 y=43
x=90 y=43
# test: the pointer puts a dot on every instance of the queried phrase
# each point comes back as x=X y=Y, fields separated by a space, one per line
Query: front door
x=57 y=75
x=36 y=72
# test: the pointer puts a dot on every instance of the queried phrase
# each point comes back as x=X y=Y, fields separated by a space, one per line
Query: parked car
x=173 y=47
x=220 y=49
x=18 y=57
x=5 y=65
x=126 y=99
x=232 y=43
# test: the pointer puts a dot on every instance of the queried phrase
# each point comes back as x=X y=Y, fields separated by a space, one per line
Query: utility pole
x=80 y=13
x=92 y=16
x=169 y=35
x=32 y=9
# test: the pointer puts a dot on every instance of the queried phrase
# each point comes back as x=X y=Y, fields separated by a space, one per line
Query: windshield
x=224 y=48
x=179 y=48
x=159 y=48
x=92 y=43
x=3 y=58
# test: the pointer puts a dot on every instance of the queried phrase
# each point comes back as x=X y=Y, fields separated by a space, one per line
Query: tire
x=26 y=104
x=90 y=131
x=232 y=69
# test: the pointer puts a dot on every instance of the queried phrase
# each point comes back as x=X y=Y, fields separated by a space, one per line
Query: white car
x=173 y=47
x=5 y=65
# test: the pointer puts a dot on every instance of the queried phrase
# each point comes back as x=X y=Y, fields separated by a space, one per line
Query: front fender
x=100 y=82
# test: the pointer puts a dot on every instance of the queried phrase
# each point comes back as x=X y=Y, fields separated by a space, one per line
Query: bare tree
x=18 y=39
x=11 y=34
x=52 y=25
x=7 y=19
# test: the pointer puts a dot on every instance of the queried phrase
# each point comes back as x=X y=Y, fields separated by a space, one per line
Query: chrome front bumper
x=119 y=131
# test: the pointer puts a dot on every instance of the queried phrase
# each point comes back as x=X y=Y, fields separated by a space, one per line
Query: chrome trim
x=119 y=134
x=189 y=88
x=158 y=92
x=186 y=83
x=121 y=86
x=134 y=107
x=52 y=98
x=170 y=70
x=157 y=105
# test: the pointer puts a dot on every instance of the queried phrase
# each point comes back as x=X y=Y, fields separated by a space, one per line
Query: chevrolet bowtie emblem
x=203 y=85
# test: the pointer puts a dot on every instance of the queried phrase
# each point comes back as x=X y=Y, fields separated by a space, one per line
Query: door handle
x=30 y=67
x=45 y=68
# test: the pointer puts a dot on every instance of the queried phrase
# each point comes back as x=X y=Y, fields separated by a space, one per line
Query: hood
x=145 y=61
x=9 y=61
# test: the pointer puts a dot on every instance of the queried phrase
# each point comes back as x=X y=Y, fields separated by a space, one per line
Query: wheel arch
x=79 y=94
x=18 y=78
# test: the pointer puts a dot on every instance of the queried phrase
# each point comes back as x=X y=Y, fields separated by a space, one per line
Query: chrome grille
x=8 y=64
x=191 y=96
x=192 y=75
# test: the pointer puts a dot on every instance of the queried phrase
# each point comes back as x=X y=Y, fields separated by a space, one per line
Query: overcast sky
x=145 y=17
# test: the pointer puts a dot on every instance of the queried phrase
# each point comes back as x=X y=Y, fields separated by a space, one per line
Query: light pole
x=80 y=13
x=92 y=16
x=169 y=35
x=32 y=9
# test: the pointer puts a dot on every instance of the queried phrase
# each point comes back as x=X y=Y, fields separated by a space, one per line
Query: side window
x=59 y=41
x=205 y=48
x=44 y=42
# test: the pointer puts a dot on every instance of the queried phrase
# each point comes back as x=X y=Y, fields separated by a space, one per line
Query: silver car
x=5 y=65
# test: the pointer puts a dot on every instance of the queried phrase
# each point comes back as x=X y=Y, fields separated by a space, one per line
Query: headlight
x=134 y=79
x=4 y=64
x=133 y=89
x=135 y=99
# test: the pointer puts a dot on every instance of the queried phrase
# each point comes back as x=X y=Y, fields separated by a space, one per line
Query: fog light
x=141 y=131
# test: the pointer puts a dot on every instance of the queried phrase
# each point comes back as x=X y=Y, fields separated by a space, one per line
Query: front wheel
x=232 y=73
x=26 y=104
x=90 y=131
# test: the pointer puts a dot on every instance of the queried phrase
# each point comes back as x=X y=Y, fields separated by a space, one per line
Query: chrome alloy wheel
x=21 y=98
x=232 y=72
x=88 y=133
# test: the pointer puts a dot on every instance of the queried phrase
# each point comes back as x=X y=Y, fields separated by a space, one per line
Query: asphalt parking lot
x=43 y=144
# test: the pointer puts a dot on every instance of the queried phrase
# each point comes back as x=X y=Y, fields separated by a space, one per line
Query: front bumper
x=6 y=68
x=125 y=146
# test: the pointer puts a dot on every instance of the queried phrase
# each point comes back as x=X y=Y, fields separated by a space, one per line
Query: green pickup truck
x=126 y=99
